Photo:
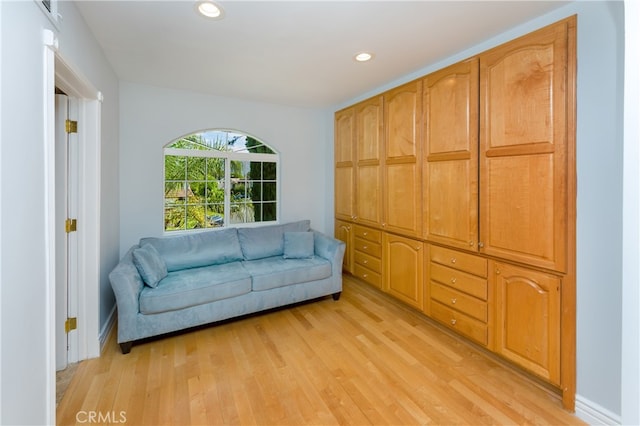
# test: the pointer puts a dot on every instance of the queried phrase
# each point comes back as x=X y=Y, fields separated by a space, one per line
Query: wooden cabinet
x=459 y=294
x=343 y=232
x=525 y=88
x=402 y=170
x=450 y=163
x=528 y=318
x=344 y=152
x=404 y=260
x=367 y=255
x=369 y=162
x=476 y=162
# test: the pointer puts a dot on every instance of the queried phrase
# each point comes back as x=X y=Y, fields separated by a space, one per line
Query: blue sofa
x=166 y=284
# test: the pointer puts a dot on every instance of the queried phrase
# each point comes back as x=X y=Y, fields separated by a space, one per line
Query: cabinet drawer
x=459 y=301
x=467 y=326
x=368 y=261
x=367 y=275
x=467 y=283
x=367 y=234
x=456 y=259
x=368 y=247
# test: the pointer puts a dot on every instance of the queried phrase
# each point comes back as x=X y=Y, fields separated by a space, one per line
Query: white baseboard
x=594 y=414
x=107 y=328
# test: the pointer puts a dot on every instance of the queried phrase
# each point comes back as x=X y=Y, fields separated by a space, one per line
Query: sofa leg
x=125 y=347
x=336 y=296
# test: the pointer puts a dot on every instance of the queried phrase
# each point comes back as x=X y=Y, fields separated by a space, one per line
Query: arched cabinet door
x=402 y=169
x=404 y=260
x=526 y=99
x=344 y=147
x=528 y=318
x=450 y=161
x=369 y=162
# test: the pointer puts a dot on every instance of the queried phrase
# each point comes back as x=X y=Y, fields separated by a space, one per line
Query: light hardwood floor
x=365 y=359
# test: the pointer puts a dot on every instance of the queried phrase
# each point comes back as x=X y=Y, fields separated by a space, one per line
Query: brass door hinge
x=70 y=225
x=70 y=324
x=71 y=126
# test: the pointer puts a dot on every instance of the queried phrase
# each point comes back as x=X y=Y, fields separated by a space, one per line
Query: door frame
x=59 y=72
x=89 y=110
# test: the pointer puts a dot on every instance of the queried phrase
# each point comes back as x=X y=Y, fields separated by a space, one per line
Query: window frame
x=228 y=157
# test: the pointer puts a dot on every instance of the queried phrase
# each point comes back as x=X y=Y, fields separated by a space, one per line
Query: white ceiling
x=292 y=52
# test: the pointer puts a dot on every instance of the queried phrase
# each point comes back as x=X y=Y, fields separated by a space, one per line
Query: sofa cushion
x=277 y=271
x=298 y=245
x=267 y=241
x=198 y=249
x=149 y=264
x=196 y=286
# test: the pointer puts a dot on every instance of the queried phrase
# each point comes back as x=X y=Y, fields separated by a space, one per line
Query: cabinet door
x=368 y=167
x=404 y=260
x=344 y=233
x=528 y=318
x=402 y=176
x=450 y=165
x=525 y=104
x=344 y=164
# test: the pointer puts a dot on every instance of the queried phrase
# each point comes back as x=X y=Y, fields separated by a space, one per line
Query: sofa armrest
x=330 y=249
x=127 y=285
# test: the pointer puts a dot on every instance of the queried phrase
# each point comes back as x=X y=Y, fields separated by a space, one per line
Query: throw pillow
x=149 y=264
x=298 y=245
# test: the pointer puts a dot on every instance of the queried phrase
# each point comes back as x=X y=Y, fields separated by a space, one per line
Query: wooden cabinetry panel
x=369 y=129
x=368 y=119
x=459 y=295
x=369 y=196
x=368 y=261
x=344 y=189
x=463 y=324
x=525 y=100
x=455 y=259
x=528 y=314
x=460 y=301
x=368 y=276
x=461 y=281
x=404 y=260
x=344 y=147
x=402 y=199
x=367 y=234
x=450 y=188
x=367 y=252
x=343 y=232
x=402 y=171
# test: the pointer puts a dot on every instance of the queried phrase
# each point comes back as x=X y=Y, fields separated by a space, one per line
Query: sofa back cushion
x=198 y=249
x=267 y=241
x=150 y=264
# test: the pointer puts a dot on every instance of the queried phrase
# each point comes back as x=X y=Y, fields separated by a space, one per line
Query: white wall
x=25 y=374
x=631 y=219
x=151 y=117
x=599 y=200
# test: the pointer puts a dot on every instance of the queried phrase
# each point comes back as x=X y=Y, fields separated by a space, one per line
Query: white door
x=66 y=210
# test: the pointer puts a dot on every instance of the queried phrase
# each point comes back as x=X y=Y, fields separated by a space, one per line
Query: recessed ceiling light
x=363 y=57
x=209 y=9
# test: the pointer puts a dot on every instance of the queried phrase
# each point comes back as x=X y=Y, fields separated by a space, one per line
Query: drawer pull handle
x=453 y=322
x=365 y=275
x=365 y=247
x=365 y=261
x=454 y=300
x=453 y=260
x=453 y=280
x=365 y=233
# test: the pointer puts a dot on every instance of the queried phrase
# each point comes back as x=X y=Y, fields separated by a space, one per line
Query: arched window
x=219 y=178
